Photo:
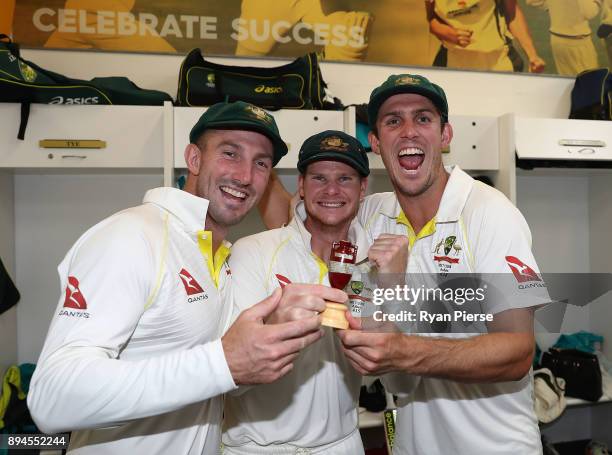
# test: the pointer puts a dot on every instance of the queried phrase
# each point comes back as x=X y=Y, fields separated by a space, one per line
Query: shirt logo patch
x=74 y=297
x=191 y=285
x=357 y=287
x=282 y=280
x=449 y=244
x=522 y=272
x=74 y=300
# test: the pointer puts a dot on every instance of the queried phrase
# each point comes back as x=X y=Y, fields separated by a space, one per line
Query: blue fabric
x=583 y=341
x=362 y=135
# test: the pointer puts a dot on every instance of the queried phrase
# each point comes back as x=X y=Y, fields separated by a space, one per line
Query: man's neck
x=419 y=210
x=218 y=233
x=322 y=237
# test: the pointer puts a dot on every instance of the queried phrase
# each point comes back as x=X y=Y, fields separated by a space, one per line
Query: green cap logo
x=407 y=80
x=259 y=113
x=334 y=143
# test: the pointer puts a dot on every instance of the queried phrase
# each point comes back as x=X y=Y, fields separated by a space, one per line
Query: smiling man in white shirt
x=314 y=408
x=463 y=394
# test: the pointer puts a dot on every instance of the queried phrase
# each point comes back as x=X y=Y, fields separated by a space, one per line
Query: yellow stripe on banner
x=214 y=262
x=161 y=265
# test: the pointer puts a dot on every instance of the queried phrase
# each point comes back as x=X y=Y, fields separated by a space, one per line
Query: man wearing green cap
x=137 y=356
x=313 y=409
x=462 y=393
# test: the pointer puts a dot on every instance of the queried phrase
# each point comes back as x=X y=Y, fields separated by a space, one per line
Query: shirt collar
x=356 y=232
x=189 y=209
x=455 y=195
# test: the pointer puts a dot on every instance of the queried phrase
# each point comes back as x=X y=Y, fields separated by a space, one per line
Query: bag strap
x=13 y=47
x=23 y=124
x=550 y=382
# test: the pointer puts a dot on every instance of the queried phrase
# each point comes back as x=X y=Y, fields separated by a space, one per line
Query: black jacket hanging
x=9 y=295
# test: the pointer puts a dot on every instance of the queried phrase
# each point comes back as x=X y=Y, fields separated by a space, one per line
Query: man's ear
x=447 y=134
x=374 y=142
x=364 y=188
x=301 y=186
x=193 y=158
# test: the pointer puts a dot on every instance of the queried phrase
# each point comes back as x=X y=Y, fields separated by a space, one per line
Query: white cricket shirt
x=442 y=416
x=316 y=403
x=133 y=362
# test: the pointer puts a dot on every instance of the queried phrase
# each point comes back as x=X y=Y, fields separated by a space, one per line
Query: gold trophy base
x=334 y=316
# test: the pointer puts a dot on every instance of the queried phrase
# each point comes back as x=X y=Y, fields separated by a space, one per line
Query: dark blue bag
x=592 y=95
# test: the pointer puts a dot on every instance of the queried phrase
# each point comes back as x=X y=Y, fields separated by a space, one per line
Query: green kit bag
x=24 y=82
x=296 y=85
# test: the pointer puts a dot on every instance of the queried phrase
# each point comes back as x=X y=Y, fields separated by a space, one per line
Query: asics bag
x=296 y=85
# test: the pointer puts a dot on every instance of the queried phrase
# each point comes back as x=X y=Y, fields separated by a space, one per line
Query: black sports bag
x=22 y=81
x=592 y=95
x=296 y=85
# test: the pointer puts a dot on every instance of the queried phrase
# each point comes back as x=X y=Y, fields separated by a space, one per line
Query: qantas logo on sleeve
x=191 y=285
x=74 y=300
x=522 y=272
x=74 y=297
x=282 y=280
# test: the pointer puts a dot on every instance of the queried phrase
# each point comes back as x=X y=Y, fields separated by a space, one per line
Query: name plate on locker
x=72 y=144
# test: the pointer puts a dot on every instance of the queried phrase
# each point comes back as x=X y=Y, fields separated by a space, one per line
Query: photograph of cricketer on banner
x=541 y=36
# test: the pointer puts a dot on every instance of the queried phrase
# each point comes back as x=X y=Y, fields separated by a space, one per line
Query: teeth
x=234 y=192
x=410 y=151
x=332 y=204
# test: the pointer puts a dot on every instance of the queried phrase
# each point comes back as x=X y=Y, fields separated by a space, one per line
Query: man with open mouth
x=460 y=393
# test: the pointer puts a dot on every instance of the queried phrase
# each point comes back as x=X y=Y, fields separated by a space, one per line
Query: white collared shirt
x=133 y=359
x=476 y=229
x=316 y=403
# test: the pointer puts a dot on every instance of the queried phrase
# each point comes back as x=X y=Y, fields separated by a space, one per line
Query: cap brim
x=375 y=104
x=331 y=156
x=280 y=148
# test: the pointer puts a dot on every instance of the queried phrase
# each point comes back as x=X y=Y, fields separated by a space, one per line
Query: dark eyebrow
x=392 y=113
x=416 y=112
x=230 y=144
x=265 y=155
x=425 y=109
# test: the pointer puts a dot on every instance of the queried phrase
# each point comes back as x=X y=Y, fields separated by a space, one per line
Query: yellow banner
x=490 y=35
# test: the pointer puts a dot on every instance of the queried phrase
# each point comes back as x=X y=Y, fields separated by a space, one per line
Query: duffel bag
x=296 y=85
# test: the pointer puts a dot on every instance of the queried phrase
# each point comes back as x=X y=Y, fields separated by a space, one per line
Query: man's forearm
x=492 y=357
x=274 y=206
x=82 y=387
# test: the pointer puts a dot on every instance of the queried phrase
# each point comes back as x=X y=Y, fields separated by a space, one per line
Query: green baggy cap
x=334 y=146
x=406 y=83
x=239 y=115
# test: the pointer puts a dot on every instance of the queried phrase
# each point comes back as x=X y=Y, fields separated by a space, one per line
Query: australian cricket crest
x=447 y=253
